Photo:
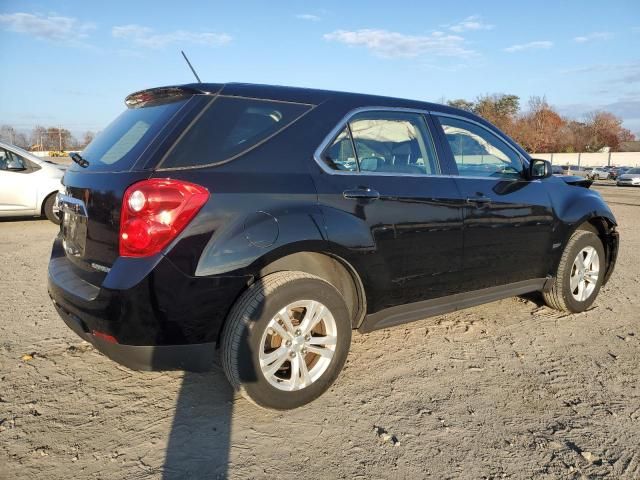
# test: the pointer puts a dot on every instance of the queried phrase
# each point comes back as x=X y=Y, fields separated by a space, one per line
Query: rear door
x=508 y=219
x=385 y=199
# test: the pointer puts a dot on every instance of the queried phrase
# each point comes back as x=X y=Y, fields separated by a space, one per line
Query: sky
x=71 y=63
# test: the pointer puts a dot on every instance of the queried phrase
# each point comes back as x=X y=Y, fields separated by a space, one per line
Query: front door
x=508 y=219
x=18 y=190
x=385 y=200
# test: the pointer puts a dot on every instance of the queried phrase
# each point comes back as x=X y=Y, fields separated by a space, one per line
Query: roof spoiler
x=160 y=95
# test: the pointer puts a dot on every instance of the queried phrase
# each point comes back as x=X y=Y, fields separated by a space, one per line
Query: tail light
x=154 y=212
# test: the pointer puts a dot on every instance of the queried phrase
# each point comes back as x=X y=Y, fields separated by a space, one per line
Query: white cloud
x=540 y=44
x=308 y=16
x=474 y=22
x=393 y=44
x=627 y=108
x=617 y=73
x=54 y=28
x=146 y=37
x=593 y=36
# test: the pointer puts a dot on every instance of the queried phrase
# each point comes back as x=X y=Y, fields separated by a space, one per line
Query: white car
x=630 y=178
x=28 y=184
x=599 y=174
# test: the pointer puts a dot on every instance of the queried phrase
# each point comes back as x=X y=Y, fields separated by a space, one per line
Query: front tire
x=286 y=340
x=580 y=274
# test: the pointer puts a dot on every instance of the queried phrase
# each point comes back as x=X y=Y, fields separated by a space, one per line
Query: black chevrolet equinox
x=261 y=225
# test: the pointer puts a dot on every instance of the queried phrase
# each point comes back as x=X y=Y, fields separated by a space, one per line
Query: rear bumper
x=165 y=321
x=195 y=358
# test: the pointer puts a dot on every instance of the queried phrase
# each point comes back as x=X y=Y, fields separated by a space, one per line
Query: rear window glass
x=230 y=126
x=118 y=147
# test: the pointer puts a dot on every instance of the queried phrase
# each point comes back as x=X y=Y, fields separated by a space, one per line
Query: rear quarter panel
x=262 y=205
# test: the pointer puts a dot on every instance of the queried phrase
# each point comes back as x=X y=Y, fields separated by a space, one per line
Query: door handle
x=479 y=201
x=361 y=193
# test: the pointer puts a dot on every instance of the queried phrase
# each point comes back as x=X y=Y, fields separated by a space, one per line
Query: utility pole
x=60 y=138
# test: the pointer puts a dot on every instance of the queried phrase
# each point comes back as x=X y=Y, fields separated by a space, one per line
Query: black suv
x=266 y=223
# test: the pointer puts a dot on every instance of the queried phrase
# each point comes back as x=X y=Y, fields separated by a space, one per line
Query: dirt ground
x=511 y=389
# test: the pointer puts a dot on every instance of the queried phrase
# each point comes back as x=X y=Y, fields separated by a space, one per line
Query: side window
x=340 y=154
x=11 y=162
x=230 y=126
x=393 y=142
x=478 y=152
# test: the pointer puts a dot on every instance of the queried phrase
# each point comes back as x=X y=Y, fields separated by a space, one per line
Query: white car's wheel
x=50 y=209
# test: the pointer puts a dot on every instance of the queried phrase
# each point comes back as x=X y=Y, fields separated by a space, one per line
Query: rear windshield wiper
x=76 y=157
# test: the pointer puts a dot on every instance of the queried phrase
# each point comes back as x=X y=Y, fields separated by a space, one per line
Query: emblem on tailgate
x=101 y=268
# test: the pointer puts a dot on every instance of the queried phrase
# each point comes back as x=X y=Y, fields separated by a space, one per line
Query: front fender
x=579 y=207
x=575 y=206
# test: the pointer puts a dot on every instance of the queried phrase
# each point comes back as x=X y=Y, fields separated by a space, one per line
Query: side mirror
x=539 y=169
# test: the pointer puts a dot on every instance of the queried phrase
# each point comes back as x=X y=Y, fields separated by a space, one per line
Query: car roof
x=314 y=96
x=311 y=96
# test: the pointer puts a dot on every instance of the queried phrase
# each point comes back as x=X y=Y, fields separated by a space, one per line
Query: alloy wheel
x=584 y=273
x=298 y=345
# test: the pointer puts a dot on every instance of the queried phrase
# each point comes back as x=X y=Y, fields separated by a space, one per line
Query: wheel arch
x=44 y=199
x=580 y=208
x=605 y=229
x=330 y=267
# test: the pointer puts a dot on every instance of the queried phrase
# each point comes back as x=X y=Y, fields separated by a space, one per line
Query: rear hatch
x=123 y=153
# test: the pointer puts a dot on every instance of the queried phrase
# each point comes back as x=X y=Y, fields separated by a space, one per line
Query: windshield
x=633 y=170
x=118 y=147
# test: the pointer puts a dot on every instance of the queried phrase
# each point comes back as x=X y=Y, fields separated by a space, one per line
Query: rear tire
x=580 y=274
x=48 y=209
x=286 y=340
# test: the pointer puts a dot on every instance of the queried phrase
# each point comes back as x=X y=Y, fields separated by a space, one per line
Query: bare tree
x=58 y=138
x=7 y=133
x=38 y=138
x=605 y=130
x=87 y=138
x=21 y=140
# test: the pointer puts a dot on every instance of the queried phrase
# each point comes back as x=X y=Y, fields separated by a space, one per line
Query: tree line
x=540 y=129
x=45 y=138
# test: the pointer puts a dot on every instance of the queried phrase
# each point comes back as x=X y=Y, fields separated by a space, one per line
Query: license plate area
x=74 y=225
